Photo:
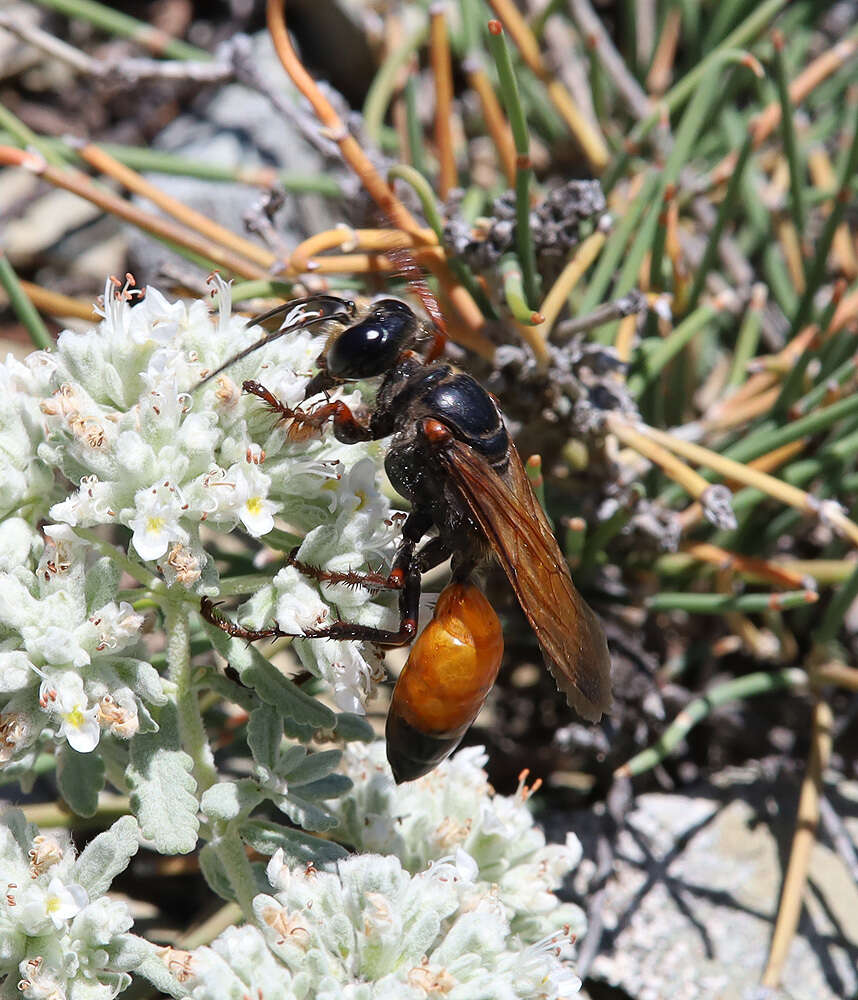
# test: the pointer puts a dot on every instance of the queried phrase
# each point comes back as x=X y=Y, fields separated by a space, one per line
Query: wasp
x=450 y=455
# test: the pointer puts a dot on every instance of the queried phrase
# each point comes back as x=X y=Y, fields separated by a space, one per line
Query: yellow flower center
x=74 y=717
x=155 y=524
x=52 y=904
x=254 y=505
x=361 y=499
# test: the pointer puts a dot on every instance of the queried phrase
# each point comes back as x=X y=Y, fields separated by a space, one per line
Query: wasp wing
x=572 y=640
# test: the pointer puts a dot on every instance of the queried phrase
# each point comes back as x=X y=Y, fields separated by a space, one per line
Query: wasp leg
x=211 y=614
x=306 y=423
x=349 y=578
x=416 y=525
x=405 y=577
x=409 y=603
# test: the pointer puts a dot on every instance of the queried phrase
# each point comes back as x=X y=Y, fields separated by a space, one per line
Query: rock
x=690 y=907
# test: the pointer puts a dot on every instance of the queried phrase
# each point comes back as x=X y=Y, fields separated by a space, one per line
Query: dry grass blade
x=804 y=838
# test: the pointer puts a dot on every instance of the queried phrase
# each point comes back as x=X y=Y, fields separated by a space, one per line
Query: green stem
x=748 y=338
x=133 y=568
x=725 y=213
x=761 y=682
x=796 y=171
x=23 y=307
x=719 y=604
x=679 y=93
x=513 y=290
x=124 y=26
x=816 y=269
x=161 y=162
x=614 y=246
x=515 y=112
x=26 y=138
x=666 y=350
x=423 y=190
x=836 y=610
x=191 y=729
x=416 y=152
x=381 y=89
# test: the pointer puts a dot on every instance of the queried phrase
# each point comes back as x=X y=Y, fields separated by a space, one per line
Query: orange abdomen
x=449 y=673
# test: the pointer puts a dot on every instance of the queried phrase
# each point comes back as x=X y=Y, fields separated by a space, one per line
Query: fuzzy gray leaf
x=80 y=777
x=299 y=847
x=264 y=735
x=227 y=800
x=163 y=786
x=351 y=727
x=312 y=767
x=106 y=856
x=215 y=874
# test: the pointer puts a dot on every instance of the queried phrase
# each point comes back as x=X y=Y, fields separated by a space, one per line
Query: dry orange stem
x=661 y=70
x=804 y=838
x=692 y=482
x=625 y=337
x=56 y=304
x=747 y=476
x=744 y=411
x=762 y=381
x=772 y=460
x=131 y=179
x=810 y=77
x=735 y=561
x=442 y=72
x=584 y=255
x=345 y=238
x=788 y=238
x=823 y=175
x=495 y=120
x=767 y=120
x=78 y=183
x=836 y=673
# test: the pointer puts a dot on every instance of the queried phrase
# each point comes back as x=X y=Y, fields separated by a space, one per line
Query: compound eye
x=372 y=346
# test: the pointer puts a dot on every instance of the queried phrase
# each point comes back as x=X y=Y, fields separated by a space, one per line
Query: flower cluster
x=371 y=931
x=454 y=808
x=59 y=935
x=113 y=428
x=70 y=656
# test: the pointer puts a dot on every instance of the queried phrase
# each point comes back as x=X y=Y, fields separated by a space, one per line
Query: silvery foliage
x=60 y=935
x=106 y=431
x=454 y=808
x=458 y=924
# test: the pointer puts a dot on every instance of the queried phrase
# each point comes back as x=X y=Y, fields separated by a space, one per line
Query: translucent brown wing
x=572 y=640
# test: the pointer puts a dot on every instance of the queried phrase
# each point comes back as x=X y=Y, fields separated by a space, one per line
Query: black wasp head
x=371 y=346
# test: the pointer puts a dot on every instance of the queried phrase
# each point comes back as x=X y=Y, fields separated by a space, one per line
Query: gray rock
x=690 y=907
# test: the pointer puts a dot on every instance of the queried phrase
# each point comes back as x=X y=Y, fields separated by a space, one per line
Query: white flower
x=156 y=523
x=55 y=645
x=37 y=905
x=79 y=720
x=117 y=625
x=92 y=504
x=62 y=902
x=249 y=498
